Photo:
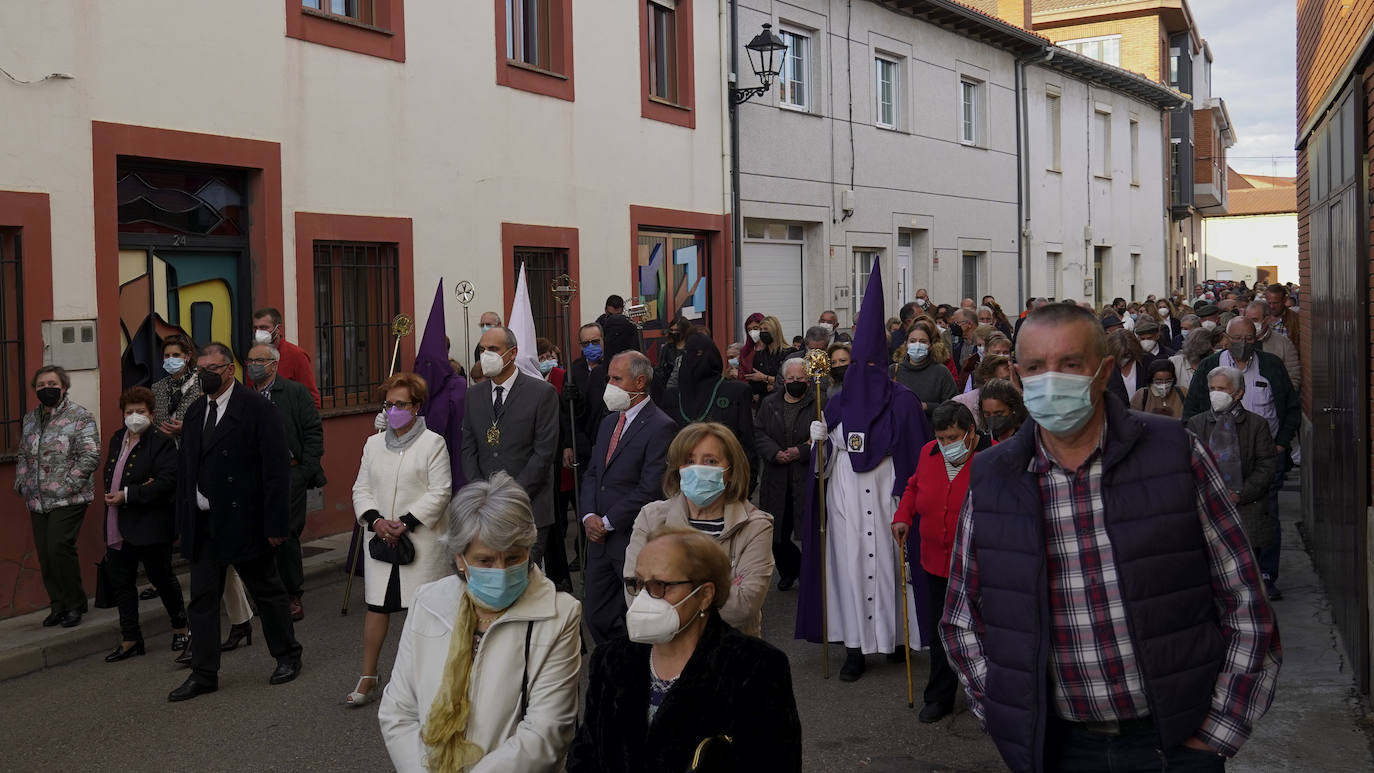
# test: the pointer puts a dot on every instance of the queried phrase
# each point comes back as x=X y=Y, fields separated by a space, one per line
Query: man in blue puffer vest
x=1104 y=608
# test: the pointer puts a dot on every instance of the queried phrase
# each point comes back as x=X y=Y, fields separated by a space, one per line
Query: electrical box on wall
x=840 y=297
x=70 y=343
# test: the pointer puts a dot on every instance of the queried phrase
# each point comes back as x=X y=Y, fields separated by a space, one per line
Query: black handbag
x=400 y=554
x=104 y=589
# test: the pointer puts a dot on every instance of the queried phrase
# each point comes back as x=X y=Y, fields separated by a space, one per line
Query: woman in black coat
x=704 y=394
x=782 y=437
x=140 y=521
x=685 y=681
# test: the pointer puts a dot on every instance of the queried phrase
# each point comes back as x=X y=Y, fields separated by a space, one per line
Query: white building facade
x=926 y=178
x=186 y=163
x=1096 y=227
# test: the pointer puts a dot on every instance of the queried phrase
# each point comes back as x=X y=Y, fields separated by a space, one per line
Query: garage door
x=772 y=284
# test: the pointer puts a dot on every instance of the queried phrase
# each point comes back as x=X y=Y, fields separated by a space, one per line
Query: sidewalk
x=26 y=646
x=1316 y=722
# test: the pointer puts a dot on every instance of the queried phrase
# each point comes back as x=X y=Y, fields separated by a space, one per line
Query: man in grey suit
x=626 y=473
x=510 y=423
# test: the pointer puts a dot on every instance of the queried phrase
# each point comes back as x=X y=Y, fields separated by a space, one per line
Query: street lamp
x=766 y=54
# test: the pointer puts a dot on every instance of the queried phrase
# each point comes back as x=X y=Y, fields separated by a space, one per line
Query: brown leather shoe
x=297 y=609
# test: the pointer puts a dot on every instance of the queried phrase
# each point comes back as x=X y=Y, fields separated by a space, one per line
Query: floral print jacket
x=58 y=454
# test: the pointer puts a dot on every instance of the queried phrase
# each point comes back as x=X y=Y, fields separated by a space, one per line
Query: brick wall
x=1144 y=43
x=1206 y=147
x=1328 y=32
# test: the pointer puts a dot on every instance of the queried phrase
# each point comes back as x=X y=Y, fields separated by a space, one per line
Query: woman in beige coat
x=486 y=673
x=707 y=484
x=402 y=491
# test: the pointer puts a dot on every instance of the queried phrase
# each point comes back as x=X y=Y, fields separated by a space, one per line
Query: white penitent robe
x=863 y=582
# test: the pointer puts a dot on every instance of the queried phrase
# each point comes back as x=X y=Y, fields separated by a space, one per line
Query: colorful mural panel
x=162 y=292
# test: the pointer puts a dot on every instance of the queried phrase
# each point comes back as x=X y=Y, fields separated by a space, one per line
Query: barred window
x=357 y=292
x=12 y=377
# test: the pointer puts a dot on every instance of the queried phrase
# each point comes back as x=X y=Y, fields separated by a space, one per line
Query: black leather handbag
x=104 y=588
x=402 y=553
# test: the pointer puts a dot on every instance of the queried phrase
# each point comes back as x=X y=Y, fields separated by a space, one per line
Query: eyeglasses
x=656 y=588
x=260 y=361
x=217 y=368
x=591 y=342
x=402 y=404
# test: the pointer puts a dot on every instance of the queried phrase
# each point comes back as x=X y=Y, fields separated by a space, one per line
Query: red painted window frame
x=385 y=38
x=683 y=113
x=555 y=82
x=716 y=229
x=31 y=214
x=321 y=226
x=515 y=235
x=260 y=159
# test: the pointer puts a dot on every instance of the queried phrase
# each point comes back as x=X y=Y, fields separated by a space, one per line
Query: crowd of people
x=1121 y=465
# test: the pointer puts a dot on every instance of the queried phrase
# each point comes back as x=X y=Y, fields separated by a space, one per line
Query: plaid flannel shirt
x=1093 y=669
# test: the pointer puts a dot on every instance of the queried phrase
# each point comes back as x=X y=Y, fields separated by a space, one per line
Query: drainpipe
x=736 y=218
x=1023 y=179
x=729 y=201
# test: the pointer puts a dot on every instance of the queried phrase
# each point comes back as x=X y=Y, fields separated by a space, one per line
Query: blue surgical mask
x=702 y=483
x=547 y=365
x=592 y=352
x=917 y=351
x=955 y=453
x=1060 y=402
x=173 y=365
x=497 y=589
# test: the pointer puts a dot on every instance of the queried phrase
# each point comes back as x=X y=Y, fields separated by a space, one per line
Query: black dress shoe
x=184 y=659
x=238 y=633
x=189 y=689
x=71 y=619
x=149 y=593
x=179 y=641
x=934 y=712
x=854 y=665
x=54 y=617
x=124 y=654
x=286 y=671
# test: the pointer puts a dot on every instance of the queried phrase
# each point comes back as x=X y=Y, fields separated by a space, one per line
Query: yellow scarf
x=445 y=733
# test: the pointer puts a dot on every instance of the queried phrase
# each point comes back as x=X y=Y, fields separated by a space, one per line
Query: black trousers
x=943 y=682
x=54 y=539
x=786 y=554
x=604 y=606
x=556 y=551
x=260 y=579
x=122 y=565
x=290 y=559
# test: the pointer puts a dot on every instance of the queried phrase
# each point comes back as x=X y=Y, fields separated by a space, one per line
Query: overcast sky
x=1255 y=48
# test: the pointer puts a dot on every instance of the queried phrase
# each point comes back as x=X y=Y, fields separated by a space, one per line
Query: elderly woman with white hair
x=486 y=673
x=1244 y=450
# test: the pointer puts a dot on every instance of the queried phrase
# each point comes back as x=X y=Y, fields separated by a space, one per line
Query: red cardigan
x=936 y=499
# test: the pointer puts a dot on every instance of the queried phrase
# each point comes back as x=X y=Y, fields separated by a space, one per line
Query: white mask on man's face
x=492 y=364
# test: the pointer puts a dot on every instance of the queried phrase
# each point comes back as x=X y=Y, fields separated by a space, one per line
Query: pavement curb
x=36 y=648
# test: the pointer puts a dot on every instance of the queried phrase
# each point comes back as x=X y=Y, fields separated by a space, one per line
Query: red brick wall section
x=1328 y=32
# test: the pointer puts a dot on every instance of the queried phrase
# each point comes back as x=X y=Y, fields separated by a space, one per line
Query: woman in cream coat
x=487 y=671
x=707 y=484
x=403 y=488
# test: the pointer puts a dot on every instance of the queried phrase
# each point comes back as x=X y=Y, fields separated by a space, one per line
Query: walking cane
x=818 y=367
x=906 y=634
x=564 y=288
x=401 y=326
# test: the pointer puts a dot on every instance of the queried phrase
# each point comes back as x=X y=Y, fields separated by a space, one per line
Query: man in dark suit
x=626 y=473
x=510 y=423
x=304 y=448
x=233 y=487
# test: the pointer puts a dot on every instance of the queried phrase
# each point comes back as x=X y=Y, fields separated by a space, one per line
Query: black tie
x=496 y=407
x=211 y=413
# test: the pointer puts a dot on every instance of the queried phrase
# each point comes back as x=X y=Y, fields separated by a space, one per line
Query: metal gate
x=1336 y=456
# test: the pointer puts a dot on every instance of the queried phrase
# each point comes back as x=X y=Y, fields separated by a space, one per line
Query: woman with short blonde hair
x=707 y=485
